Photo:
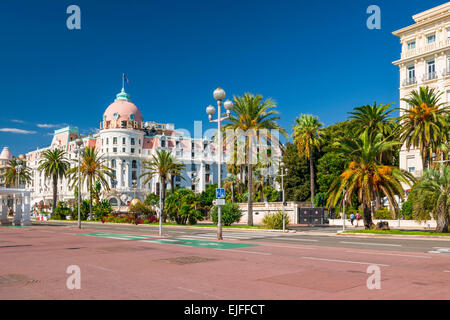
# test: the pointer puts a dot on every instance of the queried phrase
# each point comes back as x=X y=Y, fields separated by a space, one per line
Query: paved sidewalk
x=125 y=265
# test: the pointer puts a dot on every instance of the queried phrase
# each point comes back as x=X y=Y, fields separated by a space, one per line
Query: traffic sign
x=220 y=193
x=220 y=202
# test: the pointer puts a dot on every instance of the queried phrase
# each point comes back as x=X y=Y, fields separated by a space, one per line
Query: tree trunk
x=424 y=153
x=377 y=201
x=163 y=186
x=172 y=182
x=442 y=222
x=55 y=193
x=311 y=171
x=367 y=216
x=250 y=194
x=232 y=192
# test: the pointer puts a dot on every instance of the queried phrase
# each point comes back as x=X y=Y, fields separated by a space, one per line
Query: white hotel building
x=125 y=140
x=425 y=61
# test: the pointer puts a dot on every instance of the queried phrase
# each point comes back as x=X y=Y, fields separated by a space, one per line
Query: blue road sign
x=220 y=193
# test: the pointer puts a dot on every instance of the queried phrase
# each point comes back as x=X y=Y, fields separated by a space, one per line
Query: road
x=304 y=235
x=132 y=262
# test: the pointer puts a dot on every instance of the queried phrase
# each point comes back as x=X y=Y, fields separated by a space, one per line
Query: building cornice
x=427 y=17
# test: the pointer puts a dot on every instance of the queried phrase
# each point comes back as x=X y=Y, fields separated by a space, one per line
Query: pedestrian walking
x=352 y=218
x=358 y=217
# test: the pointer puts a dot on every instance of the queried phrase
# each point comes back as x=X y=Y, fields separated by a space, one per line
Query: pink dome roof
x=6 y=154
x=122 y=109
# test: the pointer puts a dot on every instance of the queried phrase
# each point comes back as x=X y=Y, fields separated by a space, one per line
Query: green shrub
x=152 y=199
x=183 y=205
x=407 y=210
x=101 y=210
x=230 y=214
x=349 y=211
x=320 y=200
x=61 y=211
x=84 y=211
x=271 y=194
x=275 y=220
x=384 y=214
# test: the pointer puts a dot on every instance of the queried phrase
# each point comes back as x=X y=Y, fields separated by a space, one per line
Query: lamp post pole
x=160 y=206
x=343 y=211
x=79 y=152
x=19 y=170
x=283 y=173
x=219 y=95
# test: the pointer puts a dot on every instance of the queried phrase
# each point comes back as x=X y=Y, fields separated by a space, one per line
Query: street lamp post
x=19 y=168
x=79 y=152
x=283 y=173
x=160 y=206
x=219 y=95
x=343 y=209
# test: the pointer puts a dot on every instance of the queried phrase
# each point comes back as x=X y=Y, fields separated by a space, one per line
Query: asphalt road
x=317 y=236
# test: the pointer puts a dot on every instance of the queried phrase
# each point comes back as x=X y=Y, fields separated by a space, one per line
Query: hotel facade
x=124 y=141
x=425 y=61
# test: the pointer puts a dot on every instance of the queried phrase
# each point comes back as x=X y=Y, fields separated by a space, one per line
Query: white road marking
x=346 y=261
x=115 y=238
x=440 y=250
x=391 y=254
x=245 y=251
x=101 y=268
x=297 y=239
x=198 y=292
x=446 y=270
x=372 y=244
x=302 y=248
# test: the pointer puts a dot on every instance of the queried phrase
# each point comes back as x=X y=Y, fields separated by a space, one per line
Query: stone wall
x=260 y=209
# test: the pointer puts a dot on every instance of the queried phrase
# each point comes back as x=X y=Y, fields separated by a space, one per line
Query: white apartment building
x=425 y=61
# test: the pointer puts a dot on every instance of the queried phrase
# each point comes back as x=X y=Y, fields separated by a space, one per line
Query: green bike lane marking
x=183 y=242
x=17 y=226
x=118 y=236
x=203 y=243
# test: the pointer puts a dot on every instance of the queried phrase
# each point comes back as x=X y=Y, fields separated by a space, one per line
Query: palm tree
x=11 y=175
x=423 y=123
x=258 y=184
x=163 y=165
x=373 y=118
x=93 y=168
x=308 y=137
x=230 y=184
x=176 y=171
x=252 y=115
x=431 y=194
x=376 y=119
x=365 y=175
x=54 y=165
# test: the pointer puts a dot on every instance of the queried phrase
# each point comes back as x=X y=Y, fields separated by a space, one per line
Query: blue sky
x=313 y=57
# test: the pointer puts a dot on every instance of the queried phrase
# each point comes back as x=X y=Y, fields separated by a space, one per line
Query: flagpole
x=123 y=81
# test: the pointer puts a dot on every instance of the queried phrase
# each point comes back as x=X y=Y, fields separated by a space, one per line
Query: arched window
x=113 y=202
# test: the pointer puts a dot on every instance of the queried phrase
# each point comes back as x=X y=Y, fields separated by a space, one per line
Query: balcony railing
x=429 y=76
x=409 y=81
x=446 y=72
x=427 y=48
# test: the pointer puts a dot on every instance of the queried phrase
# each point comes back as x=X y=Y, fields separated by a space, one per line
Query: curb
x=393 y=236
x=37 y=222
